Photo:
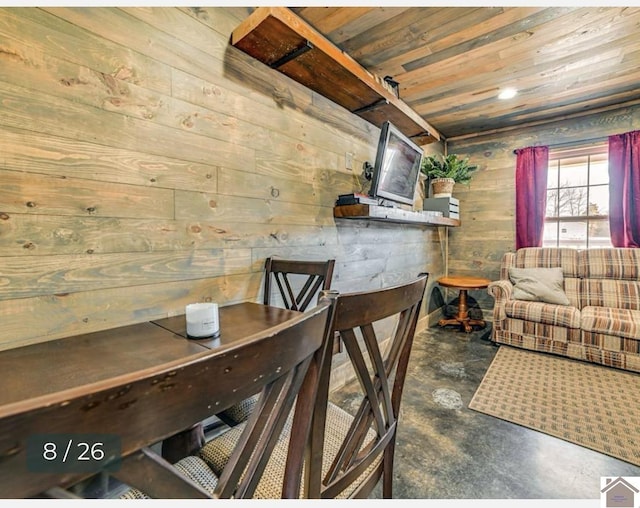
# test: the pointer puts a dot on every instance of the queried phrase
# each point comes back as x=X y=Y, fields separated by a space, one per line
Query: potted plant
x=445 y=171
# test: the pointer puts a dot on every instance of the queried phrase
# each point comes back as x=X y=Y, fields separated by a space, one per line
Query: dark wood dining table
x=33 y=378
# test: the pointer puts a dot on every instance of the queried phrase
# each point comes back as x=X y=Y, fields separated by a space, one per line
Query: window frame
x=556 y=155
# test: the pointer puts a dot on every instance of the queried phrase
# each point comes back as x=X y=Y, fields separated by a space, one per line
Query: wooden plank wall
x=146 y=164
x=488 y=204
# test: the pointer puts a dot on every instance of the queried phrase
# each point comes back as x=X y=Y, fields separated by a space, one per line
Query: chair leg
x=387 y=471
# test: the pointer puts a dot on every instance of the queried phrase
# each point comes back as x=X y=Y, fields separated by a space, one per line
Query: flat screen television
x=397 y=166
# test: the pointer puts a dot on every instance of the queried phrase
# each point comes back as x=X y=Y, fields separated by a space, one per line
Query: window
x=578 y=198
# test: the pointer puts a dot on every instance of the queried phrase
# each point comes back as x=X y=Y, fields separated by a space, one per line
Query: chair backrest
x=243 y=472
x=283 y=363
x=366 y=451
x=298 y=281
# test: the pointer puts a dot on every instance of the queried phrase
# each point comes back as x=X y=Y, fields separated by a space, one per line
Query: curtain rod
x=582 y=142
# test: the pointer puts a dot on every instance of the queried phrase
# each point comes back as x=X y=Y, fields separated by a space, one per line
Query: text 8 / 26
x=73 y=453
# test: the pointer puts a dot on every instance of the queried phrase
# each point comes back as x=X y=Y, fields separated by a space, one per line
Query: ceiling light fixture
x=508 y=93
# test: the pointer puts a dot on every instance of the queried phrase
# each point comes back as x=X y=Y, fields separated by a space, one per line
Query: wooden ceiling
x=451 y=62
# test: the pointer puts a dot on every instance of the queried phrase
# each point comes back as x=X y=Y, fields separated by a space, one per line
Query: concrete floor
x=446 y=451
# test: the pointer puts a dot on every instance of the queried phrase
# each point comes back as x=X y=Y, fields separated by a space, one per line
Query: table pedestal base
x=467 y=324
x=462 y=318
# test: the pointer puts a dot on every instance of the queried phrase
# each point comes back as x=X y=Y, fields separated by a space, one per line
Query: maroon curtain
x=624 y=189
x=532 y=164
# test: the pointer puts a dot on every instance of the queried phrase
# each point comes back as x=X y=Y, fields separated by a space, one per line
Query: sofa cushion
x=611 y=321
x=611 y=278
x=538 y=285
x=618 y=264
x=549 y=257
x=617 y=294
x=545 y=313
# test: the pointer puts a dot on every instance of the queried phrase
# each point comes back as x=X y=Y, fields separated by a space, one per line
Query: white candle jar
x=202 y=320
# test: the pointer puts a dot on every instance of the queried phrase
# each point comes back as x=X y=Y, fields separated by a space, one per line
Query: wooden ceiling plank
x=549 y=42
x=333 y=21
x=316 y=16
x=394 y=66
x=495 y=115
x=508 y=17
x=503 y=34
x=613 y=26
x=418 y=33
x=373 y=17
x=514 y=56
x=357 y=26
x=617 y=98
x=565 y=77
x=599 y=85
x=424 y=26
x=555 y=78
x=376 y=36
x=511 y=49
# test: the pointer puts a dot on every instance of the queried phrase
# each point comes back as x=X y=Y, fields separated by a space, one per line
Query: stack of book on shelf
x=355 y=198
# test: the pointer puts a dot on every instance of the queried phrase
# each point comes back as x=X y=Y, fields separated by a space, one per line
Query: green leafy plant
x=439 y=166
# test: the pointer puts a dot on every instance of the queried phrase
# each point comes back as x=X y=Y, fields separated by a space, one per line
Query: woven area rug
x=590 y=405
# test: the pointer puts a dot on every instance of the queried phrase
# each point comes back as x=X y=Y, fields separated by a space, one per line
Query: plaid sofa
x=602 y=322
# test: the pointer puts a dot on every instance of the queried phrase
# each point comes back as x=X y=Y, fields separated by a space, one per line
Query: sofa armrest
x=501 y=290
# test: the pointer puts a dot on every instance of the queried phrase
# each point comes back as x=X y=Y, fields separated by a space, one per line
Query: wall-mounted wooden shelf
x=285 y=42
x=387 y=214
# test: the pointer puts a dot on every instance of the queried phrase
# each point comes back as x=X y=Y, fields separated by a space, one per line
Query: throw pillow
x=539 y=285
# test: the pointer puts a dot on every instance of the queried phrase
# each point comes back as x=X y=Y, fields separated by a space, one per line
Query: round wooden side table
x=463 y=284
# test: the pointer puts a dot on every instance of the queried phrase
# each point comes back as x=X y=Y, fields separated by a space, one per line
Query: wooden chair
x=348 y=454
x=283 y=363
x=310 y=276
x=298 y=283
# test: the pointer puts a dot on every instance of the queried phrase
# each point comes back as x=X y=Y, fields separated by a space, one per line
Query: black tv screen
x=397 y=166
